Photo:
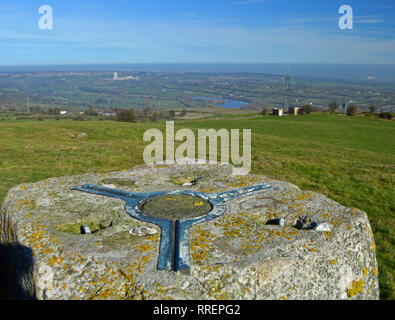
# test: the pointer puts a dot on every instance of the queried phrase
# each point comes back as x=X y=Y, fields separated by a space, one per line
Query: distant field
x=351 y=160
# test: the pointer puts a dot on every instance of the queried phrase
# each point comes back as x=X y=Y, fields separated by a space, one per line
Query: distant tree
x=78 y=117
x=53 y=110
x=92 y=111
x=305 y=109
x=385 y=115
x=147 y=111
x=184 y=112
x=172 y=114
x=352 y=110
x=333 y=107
x=265 y=111
x=154 y=117
x=127 y=115
x=372 y=109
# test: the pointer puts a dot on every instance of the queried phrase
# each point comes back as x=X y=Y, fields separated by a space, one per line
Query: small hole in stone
x=277 y=222
x=305 y=223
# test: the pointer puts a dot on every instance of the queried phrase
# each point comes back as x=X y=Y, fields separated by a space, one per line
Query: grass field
x=349 y=159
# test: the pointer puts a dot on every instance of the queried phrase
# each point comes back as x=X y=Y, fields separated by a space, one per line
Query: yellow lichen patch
x=26 y=203
x=216 y=289
x=256 y=246
x=243 y=181
x=146 y=258
x=201 y=245
x=357 y=287
x=276 y=233
x=313 y=250
x=367 y=227
x=283 y=298
x=372 y=245
x=246 y=290
x=144 y=248
x=36 y=236
x=375 y=271
x=328 y=235
x=335 y=221
x=47 y=251
x=304 y=196
x=55 y=260
x=365 y=272
x=208 y=190
x=334 y=262
x=197 y=204
x=154 y=238
x=273 y=214
x=161 y=290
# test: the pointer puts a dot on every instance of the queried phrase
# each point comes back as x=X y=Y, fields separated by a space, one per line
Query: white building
x=278 y=112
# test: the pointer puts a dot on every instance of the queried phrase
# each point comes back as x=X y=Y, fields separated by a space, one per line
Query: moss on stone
x=176 y=206
x=75 y=228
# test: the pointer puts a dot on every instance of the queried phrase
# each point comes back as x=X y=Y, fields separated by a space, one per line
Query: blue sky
x=196 y=31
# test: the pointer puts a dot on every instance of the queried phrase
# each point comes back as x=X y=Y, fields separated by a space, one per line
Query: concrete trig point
x=276 y=242
x=175 y=218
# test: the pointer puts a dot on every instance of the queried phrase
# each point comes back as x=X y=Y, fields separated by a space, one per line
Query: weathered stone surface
x=236 y=256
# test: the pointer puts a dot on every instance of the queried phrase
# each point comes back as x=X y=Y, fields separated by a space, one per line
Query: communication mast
x=287 y=89
x=27 y=104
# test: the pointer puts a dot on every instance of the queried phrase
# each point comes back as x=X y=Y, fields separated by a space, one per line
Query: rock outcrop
x=280 y=243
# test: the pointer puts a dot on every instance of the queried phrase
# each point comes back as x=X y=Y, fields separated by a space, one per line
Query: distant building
x=293 y=110
x=278 y=112
x=108 y=113
x=123 y=78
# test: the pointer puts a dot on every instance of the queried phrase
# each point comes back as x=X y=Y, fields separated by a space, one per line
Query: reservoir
x=231 y=104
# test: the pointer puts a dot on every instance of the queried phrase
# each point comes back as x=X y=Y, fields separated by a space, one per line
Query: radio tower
x=27 y=104
x=287 y=89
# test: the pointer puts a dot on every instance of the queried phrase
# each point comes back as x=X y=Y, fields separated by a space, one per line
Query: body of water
x=231 y=104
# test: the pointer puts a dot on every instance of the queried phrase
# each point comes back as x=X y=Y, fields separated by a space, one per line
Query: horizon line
x=228 y=63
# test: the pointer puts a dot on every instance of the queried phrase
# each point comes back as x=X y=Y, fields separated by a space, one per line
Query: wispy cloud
x=369 y=19
x=239 y=3
x=190 y=42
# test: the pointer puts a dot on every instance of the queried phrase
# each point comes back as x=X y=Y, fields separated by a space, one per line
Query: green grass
x=351 y=160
